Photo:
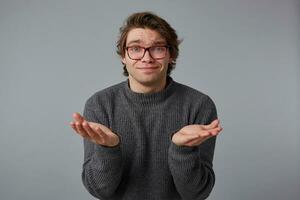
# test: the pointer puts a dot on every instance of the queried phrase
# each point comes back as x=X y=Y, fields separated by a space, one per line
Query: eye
x=135 y=49
x=159 y=49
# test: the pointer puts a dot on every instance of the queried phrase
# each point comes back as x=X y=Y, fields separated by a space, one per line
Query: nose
x=147 y=57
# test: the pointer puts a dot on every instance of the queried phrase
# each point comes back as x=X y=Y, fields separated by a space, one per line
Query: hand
x=195 y=134
x=95 y=132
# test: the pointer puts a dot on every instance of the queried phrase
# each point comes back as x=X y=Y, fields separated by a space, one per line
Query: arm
x=102 y=169
x=190 y=162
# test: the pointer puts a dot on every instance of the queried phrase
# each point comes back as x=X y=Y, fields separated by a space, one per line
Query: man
x=148 y=137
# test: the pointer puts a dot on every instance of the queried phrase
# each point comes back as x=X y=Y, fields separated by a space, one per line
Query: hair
x=151 y=21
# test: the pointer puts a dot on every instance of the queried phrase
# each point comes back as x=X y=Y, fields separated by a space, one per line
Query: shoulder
x=105 y=96
x=193 y=95
x=201 y=107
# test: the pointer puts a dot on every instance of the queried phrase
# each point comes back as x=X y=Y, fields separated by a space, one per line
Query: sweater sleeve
x=191 y=167
x=102 y=172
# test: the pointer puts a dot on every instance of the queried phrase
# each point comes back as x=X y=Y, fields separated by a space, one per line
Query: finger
x=93 y=135
x=101 y=133
x=218 y=129
x=72 y=124
x=213 y=124
x=204 y=136
x=98 y=130
x=183 y=139
x=198 y=141
x=204 y=133
x=215 y=131
x=77 y=117
x=195 y=137
x=80 y=130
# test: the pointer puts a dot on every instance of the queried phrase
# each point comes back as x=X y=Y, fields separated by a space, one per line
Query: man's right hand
x=95 y=132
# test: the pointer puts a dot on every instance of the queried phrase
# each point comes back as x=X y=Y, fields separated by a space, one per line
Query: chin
x=150 y=79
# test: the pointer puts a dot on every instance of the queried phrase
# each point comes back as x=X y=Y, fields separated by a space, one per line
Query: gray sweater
x=147 y=164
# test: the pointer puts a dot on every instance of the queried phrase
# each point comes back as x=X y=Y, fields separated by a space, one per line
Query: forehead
x=144 y=36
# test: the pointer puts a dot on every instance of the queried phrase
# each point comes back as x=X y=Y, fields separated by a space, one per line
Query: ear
x=123 y=60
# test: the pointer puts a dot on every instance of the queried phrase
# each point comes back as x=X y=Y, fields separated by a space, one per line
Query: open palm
x=95 y=132
x=195 y=134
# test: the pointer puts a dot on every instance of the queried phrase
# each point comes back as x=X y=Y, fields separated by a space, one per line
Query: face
x=147 y=70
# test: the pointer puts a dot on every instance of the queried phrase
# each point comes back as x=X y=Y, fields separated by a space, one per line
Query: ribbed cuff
x=110 y=152
x=182 y=152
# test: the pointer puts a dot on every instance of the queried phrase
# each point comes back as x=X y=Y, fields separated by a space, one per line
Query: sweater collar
x=151 y=98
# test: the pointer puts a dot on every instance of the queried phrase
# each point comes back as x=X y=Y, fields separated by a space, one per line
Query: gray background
x=242 y=53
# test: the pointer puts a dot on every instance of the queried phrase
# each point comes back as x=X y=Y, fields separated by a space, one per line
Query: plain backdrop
x=243 y=53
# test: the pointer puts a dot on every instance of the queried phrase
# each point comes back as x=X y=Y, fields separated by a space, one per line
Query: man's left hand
x=195 y=134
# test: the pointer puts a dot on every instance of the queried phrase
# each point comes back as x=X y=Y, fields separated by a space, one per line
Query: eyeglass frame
x=148 y=49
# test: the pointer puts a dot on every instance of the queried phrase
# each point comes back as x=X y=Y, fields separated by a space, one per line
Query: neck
x=138 y=87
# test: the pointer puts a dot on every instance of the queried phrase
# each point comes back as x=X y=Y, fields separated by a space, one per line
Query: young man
x=148 y=137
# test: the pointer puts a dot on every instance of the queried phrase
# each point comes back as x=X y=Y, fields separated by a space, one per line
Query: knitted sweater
x=147 y=164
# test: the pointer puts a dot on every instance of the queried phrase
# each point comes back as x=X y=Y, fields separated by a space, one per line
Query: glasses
x=138 y=52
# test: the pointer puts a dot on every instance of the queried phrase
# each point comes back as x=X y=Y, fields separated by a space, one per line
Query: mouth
x=148 y=69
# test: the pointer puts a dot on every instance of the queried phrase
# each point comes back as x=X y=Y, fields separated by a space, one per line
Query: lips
x=148 y=69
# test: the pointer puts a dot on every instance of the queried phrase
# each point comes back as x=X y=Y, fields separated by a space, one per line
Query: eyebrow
x=139 y=42
x=134 y=41
x=159 y=42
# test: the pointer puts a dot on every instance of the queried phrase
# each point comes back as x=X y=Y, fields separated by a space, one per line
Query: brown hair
x=153 y=22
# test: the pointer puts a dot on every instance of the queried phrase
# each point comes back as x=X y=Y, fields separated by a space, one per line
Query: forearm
x=102 y=171
x=194 y=178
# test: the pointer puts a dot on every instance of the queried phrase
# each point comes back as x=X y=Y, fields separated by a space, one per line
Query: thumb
x=212 y=125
